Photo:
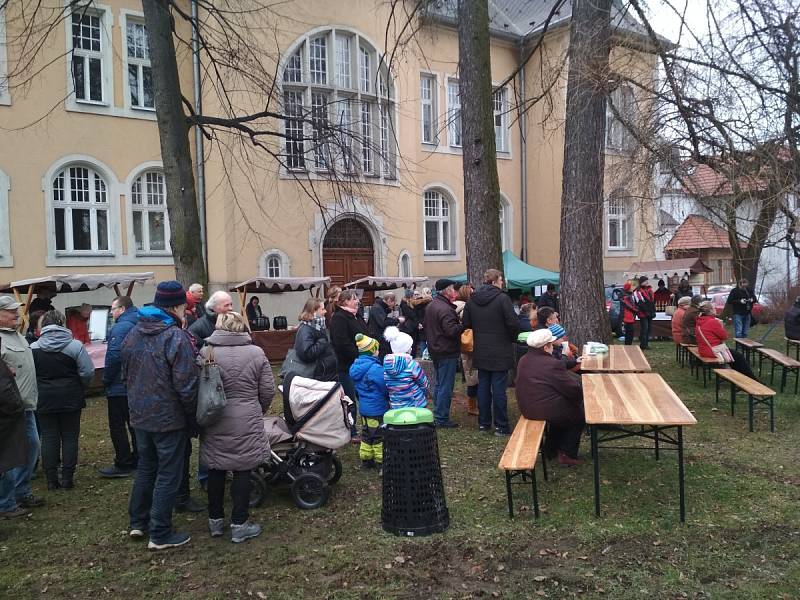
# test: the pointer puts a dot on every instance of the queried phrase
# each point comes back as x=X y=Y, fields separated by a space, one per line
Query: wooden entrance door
x=348 y=254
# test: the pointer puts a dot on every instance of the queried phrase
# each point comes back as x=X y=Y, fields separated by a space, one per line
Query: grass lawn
x=740 y=539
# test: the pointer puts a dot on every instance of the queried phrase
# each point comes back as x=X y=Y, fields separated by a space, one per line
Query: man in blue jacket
x=159 y=367
x=126 y=316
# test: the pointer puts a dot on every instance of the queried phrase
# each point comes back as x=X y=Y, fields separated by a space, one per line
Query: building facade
x=81 y=178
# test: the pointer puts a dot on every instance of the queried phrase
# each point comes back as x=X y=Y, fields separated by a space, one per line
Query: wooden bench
x=682 y=352
x=757 y=393
x=746 y=346
x=796 y=343
x=519 y=459
x=701 y=363
x=779 y=358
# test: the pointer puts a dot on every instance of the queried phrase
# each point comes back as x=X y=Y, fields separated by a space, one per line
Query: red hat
x=627 y=286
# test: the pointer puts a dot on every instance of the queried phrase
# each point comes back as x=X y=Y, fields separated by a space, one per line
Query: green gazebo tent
x=520 y=275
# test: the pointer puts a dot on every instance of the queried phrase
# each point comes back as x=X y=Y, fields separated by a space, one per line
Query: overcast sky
x=666 y=22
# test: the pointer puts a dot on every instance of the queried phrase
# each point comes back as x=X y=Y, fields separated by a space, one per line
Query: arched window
x=273 y=266
x=339 y=103
x=618 y=225
x=80 y=210
x=405 y=265
x=438 y=211
x=273 y=263
x=149 y=213
x=506 y=222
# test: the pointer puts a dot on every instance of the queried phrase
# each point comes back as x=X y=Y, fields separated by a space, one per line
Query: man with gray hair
x=194 y=302
x=218 y=304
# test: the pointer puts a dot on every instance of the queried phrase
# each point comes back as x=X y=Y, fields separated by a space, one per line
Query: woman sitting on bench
x=710 y=334
x=546 y=391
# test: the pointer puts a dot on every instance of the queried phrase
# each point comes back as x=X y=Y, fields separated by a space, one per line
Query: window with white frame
x=149 y=213
x=437 y=213
x=405 y=265
x=427 y=97
x=140 y=75
x=618 y=136
x=81 y=209
x=6 y=259
x=618 y=222
x=5 y=96
x=338 y=94
x=505 y=224
x=453 y=114
x=273 y=266
x=88 y=49
x=500 y=112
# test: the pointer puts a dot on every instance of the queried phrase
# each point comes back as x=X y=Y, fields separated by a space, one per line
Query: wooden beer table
x=619 y=359
x=634 y=405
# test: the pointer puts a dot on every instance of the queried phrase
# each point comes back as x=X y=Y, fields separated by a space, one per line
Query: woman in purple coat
x=237 y=441
x=546 y=391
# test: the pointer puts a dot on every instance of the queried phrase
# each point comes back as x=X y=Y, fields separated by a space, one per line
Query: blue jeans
x=158 y=478
x=445 y=380
x=741 y=325
x=16 y=483
x=492 y=399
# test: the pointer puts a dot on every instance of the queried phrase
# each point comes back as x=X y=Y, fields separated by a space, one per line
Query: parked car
x=613 y=296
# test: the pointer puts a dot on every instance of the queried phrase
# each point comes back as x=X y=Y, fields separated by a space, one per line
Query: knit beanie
x=366 y=344
x=169 y=293
x=400 y=342
x=557 y=330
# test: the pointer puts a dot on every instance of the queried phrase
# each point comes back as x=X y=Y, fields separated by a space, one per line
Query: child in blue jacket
x=405 y=379
x=373 y=400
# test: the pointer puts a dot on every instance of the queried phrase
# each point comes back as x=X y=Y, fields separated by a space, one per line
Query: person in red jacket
x=629 y=312
x=710 y=332
x=78 y=323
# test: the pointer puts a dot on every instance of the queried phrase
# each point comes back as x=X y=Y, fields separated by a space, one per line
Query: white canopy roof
x=77 y=282
x=272 y=285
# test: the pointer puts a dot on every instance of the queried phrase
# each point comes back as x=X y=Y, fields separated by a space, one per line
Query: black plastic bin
x=413 y=492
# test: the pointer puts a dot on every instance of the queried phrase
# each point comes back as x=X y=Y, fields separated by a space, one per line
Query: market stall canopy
x=659 y=269
x=65 y=284
x=385 y=283
x=520 y=275
x=275 y=285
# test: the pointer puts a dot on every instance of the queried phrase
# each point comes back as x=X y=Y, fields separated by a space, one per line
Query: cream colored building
x=81 y=187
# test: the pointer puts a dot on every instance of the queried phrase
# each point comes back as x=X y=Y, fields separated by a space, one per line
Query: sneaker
x=216 y=527
x=173 y=541
x=568 y=461
x=13 y=514
x=484 y=428
x=114 y=472
x=191 y=505
x=245 y=531
x=30 y=501
x=502 y=432
x=137 y=533
x=446 y=425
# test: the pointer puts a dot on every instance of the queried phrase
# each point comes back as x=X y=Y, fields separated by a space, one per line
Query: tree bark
x=581 y=257
x=173 y=131
x=479 y=156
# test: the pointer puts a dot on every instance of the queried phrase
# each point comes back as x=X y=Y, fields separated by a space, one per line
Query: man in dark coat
x=410 y=321
x=791 y=321
x=741 y=300
x=546 y=391
x=443 y=332
x=218 y=304
x=126 y=316
x=162 y=378
x=380 y=317
x=13 y=436
x=490 y=315
x=549 y=298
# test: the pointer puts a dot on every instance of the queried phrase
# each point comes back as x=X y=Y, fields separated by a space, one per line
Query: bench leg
x=772 y=414
x=796 y=380
x=750 y=410
x=760 y=364
x=544 y=463
x=510 y=495
x=783 y=379
x=772 y=374
x=705 y=373
x=596 y=461
x=716 y=388
x=535 y=495
x=681 y=490
x=733 y=397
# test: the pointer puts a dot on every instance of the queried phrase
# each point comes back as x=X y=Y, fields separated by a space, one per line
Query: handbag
x=292 y=364
x=467 y=341
x=210 y=393
x=670 y=309
x=721 y=351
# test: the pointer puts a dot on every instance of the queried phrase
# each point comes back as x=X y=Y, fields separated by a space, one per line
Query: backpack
x=646 y=306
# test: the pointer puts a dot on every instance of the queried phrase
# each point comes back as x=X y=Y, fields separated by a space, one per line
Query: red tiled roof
x=704 y=181
x=698 y=232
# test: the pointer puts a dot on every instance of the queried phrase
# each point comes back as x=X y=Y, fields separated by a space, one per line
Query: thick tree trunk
x=173 y=131
x=581 y=262
x=481 y=186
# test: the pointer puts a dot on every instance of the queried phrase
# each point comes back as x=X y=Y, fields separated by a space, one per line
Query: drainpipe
x=199 y=146
x=523 y=142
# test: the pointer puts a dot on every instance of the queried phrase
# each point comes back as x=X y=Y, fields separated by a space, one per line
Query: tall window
x=453 y=114
x=500 y=109
x=505 y=224
x=438 y=223
x=618 y=136
x=338 y=94
x=5 y=97
x=618 y=223
x=405 y=265
x=80 y=211
x=87 y=56
x=273 y=266
x=427 y=96
x=140 y=78
x=149 y=210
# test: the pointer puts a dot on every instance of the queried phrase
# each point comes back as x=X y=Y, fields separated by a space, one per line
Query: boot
x=245 y=531
x=567 y=461
x=216 y=527
x=472 y=405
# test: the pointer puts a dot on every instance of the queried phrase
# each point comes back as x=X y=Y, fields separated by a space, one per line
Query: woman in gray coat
x=237 y=441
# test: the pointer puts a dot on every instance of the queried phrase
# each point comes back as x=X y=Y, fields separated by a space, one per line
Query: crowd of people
x=155 y=355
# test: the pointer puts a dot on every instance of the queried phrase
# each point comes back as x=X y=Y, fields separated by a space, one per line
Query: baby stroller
x=303 y=443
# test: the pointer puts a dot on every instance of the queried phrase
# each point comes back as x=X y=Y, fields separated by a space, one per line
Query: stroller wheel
x=310 y=491
x=258 y=490
x=336 y=470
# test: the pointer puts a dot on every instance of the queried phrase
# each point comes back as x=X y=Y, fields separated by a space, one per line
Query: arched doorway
x=348 y=253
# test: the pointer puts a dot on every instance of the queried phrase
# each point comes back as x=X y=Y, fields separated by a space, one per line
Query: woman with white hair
x=711 y=336
x=546 y=391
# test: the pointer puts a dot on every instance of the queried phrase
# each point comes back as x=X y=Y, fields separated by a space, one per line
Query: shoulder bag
x=467 y=341
x=210 y=393
x=721 y=351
